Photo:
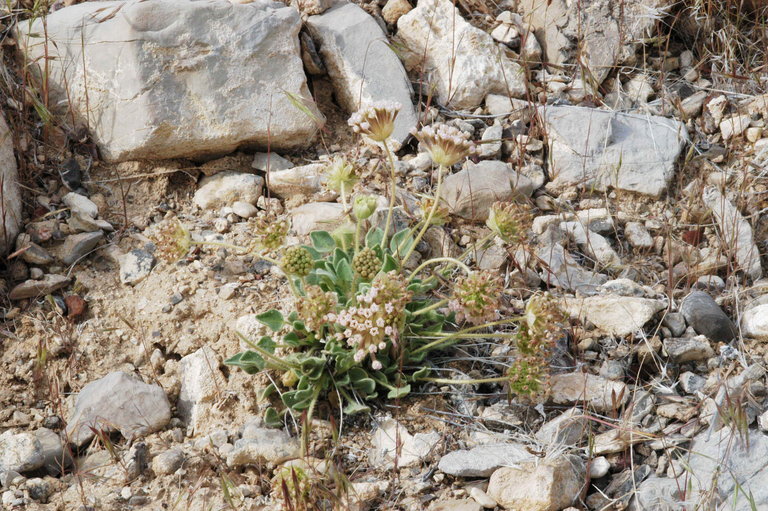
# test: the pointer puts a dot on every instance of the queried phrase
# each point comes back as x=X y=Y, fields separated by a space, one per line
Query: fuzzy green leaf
x=354 y=407
x=401 y=242
x=249 y=361
x=399 y=392
x=373 y=237
x=322 y=241
x=390 y=264
x=298 y=399
x=273 y=319
x=273 y=419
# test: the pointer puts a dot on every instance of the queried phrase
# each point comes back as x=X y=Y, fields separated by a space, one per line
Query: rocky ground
x=634 y=132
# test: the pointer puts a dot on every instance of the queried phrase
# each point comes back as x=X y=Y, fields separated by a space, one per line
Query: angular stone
x=614 y=315
x=160 y=79
x=32 y=288
x=317 y=216
x=734 y=125
x=305 y=180
x=271 y=446
x=77 y=246
x=688 y=350
x=201 y=382
x=754 y=322
x=33 y=253
x=271 y=161
x=80 y=204
x=470 y=192
x=484 y=460
x=118 y=402
x=638 y=236
x=597 y=393
x=736 y=232
x=568 y=428
x=10 y=196
x=595 y=245
x=462 y=62
x=224 y=188
x=391 y=441
x=20 y=452
x=707 y=318
x=559 y=268
x=598 y=149
x=545 y=485
x=362 y=66
x=135 y=266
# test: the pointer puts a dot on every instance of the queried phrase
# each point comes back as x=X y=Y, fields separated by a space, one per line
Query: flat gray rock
x=601 y=149
x=118 y=402
x=10 y=207
x=707 y=318
x=483 y=460
x=77 y=246
x=362 y=66
x=224 y=188
x=32 y=288
x=160 y=79
x=135 y=266
x=20 y=452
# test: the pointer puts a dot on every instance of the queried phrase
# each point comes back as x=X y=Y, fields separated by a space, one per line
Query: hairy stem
x=440 y=260
x=432 y=211
x=392 y=193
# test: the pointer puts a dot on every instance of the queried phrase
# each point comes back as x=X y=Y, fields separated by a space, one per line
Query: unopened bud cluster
x=173 y=241
x=366 y=263
x=315 y=306
x=509 y=221
x=297 y=261
x=271 y=233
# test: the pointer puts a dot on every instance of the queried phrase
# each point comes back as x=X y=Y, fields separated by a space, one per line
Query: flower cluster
x=441 y=214
x=366 y=263
x=271 y=233
x=340 y=175
x=297 y=261
x=173 y=241
x=477 y=297
x=536 y=337
x=508 y=220
x=375 y=319
x=376 y=121
x=314 y=307
x=445 y=144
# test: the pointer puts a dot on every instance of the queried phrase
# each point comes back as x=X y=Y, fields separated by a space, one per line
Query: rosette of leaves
x=314 y=362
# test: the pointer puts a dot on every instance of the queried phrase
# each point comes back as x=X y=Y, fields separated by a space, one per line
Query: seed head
x=297 y=261
x=173 y=241
x=314 y=307
x=366 y=263
x=376 y=121
x=364 y=206
x=441 y=213
x=270 y=233
x=508 y=220
x=445 y=144
x=340 y=173
x=477 y=297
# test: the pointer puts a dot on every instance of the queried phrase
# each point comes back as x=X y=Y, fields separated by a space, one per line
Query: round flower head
x=376 y=121
x=270 y=233
x=508 y=220
x=477 y=296
x=173 y=241
x=445 y=144
x=341 y=175
x=297 y=261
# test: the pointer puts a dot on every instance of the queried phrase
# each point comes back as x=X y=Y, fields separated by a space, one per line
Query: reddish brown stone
x=76 y=307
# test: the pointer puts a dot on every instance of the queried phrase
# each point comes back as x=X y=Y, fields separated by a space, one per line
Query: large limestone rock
x=614 y=315
x=10 y=198
x=361 y=64
x=462 y=62
x=601 y=148
x=164 y=79
x=607 y=31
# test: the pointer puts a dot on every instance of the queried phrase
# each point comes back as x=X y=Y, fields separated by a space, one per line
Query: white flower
x=376 y=365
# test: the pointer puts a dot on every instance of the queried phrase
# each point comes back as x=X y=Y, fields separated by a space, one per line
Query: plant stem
x=308 y=422
x=392 y=192
x=275 y=361
x=439 y=260
x=344 y=196
x=476 y=381
x=432 y=211
x=464 y=332
x=357 y=236
x=432 y=307
x=478 y=244
x=235 y=247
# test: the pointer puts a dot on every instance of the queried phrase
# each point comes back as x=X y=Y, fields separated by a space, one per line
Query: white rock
x=271 y=446
x=596 y=392
x=161 y=79
x=499 y=104
x=736 y=232
x=10 y=199
x=305 y=179
x=167 y=462
x=592 y=243
x=568 y=428
x=20 y=452
x=491 y=146
x=393 y=10
x=244 y=209
x=482 y=498
x=638 y=236
x=483 y=460
x=391 y=441
x=734 y=126
x=201 y=382
x=317 y=216
x=80 y=204
x=470 y=192
x=362 y=66
x=271 y=161
x=135 y=266
x=614 y=315
x=754 y=322
x=545 y=485
x=462 y=62
x=224 y=188
x=599 y=149
x=118 y=402
x=599 y=467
